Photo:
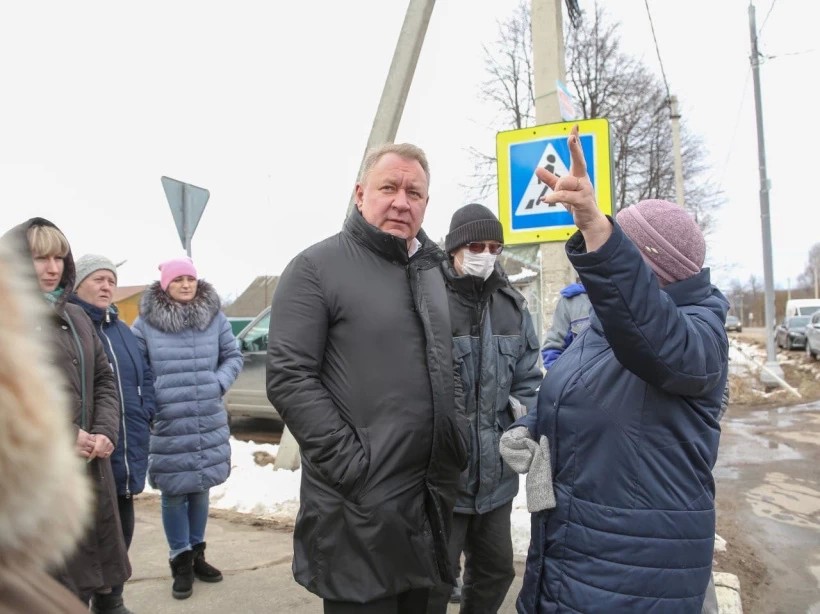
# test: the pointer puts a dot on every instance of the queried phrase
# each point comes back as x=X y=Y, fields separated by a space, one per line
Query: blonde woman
x=101 y=560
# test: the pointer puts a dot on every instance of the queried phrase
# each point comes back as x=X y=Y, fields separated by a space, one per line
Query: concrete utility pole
x=548 y=67
x=399 y=78
x=675 y=116
x=765 y=224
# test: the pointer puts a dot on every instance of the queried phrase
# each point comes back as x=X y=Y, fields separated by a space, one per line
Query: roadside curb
x=727 y=587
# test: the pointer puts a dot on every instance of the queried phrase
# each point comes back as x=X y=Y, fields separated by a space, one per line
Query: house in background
x=528 y=282
x=127 y=299
x=256 y=297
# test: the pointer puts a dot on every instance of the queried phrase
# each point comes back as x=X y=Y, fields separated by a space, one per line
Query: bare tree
x=606 y=83
x=810 y=277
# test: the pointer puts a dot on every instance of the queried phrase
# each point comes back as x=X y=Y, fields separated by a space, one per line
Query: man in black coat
x=360 y=367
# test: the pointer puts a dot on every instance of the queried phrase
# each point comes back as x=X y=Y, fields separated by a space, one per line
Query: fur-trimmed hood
x=170 y=316
x=44 y=495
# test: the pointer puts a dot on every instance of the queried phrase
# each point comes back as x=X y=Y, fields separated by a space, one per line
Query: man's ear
x=359 y=196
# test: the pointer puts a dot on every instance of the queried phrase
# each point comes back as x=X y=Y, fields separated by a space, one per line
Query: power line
x=737 y=125
x=766 y=18
x=657 y=49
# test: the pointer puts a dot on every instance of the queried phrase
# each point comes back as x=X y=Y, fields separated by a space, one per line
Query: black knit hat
x=473 y=222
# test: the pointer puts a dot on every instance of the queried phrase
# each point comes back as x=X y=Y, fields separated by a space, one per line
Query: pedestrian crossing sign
x=519 y=152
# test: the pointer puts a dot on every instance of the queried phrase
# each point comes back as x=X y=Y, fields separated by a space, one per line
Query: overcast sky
x=269 y=105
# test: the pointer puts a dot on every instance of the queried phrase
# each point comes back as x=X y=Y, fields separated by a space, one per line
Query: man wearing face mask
x=497 y=350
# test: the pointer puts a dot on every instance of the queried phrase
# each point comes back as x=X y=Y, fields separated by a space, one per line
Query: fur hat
x=90 y=263
x=177 y=267
x=670 y=240
x=473 y=222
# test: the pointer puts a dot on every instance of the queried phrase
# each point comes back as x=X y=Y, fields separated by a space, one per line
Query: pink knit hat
x=670 y=240
x=171 y=269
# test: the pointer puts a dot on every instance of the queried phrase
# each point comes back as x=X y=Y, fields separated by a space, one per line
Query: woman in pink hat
x=188 y=343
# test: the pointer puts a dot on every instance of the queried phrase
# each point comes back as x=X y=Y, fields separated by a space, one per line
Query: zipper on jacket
x=84 y=411
x=410 y=281
x=116 y=366
x=478 y=409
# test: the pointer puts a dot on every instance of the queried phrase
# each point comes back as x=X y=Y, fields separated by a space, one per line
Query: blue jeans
x=184 y=518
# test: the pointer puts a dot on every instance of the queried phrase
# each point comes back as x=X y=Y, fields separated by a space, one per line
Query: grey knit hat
x=473 y=222
x=670 y=240
x=90 y=263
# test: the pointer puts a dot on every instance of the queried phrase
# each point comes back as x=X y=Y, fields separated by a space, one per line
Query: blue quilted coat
x=631 y=413
x=195 y=360
x=136 y=393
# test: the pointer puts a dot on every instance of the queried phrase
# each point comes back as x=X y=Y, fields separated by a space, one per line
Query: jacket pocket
x=509 y=350
x=361 y=483
x=462 y=355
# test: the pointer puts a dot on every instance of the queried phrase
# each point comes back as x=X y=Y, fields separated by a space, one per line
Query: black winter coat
x=360 y=368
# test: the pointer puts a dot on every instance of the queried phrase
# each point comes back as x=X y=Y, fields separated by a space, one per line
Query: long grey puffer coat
x=360 y=367
x=195 y=360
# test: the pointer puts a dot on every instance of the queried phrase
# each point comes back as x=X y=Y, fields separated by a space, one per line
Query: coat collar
x=692 y=290
x=471 y=287
x=386 y=245
x=170 y=316
x=96 y=314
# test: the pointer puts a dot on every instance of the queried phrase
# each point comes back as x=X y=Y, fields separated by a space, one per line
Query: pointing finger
x=578 y=164
x=547 y=177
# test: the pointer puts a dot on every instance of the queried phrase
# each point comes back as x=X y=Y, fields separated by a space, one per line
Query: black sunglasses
x=477 y=247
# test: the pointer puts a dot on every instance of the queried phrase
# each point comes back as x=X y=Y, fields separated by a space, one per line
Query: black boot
x=183 y=572
x=108 y=604
x=202 y=569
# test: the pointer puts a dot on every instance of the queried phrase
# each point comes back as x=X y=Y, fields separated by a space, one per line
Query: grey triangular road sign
x=187 y=204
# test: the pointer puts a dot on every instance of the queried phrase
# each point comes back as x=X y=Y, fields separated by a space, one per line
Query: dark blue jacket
x=136 y=390
x=631 y=414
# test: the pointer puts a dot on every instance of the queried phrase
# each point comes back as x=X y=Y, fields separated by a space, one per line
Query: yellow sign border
x=599 y=128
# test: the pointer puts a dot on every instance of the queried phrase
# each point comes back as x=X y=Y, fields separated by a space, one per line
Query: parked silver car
x=248 y=396
x=733 y=323
x=813 y=336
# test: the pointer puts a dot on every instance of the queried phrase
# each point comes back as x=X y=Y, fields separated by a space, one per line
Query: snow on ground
x=261 y=491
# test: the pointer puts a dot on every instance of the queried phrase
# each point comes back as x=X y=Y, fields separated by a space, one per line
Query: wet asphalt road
x=768 y=496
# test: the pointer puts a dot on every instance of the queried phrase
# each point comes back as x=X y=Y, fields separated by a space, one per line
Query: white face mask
x=481 y=265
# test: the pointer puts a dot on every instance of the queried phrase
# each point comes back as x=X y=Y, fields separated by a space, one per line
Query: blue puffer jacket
x=135 y=384
x=631 y=413
x=195 y=360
